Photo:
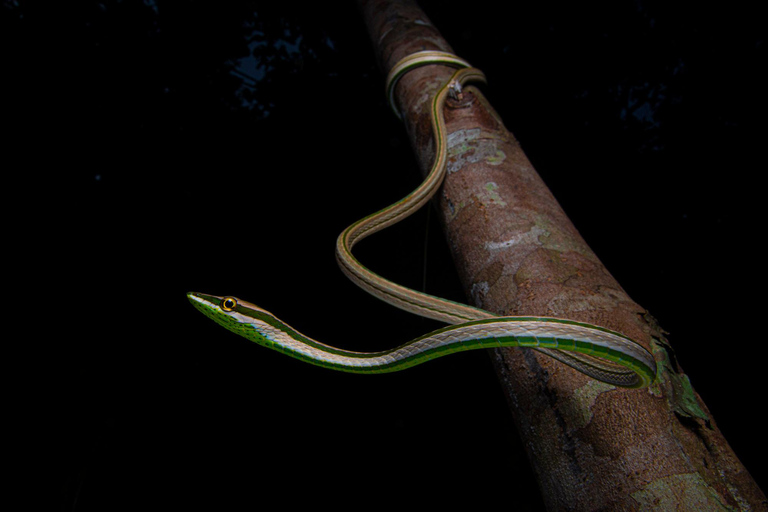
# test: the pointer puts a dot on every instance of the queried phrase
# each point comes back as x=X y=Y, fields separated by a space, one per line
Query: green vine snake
x=595 y=351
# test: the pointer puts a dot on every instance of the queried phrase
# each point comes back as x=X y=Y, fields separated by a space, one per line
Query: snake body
x=595 y=351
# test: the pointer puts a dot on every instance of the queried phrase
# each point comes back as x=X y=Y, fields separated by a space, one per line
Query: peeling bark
x=592 y=446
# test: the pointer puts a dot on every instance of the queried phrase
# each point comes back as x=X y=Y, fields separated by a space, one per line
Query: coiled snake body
x=595 y=351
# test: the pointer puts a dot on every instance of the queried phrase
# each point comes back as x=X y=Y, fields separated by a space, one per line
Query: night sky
x=164 y=147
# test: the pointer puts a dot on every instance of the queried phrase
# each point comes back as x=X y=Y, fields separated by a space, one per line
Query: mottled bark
x=592 y=446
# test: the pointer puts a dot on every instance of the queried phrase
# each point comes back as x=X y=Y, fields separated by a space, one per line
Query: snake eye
x=228 y=304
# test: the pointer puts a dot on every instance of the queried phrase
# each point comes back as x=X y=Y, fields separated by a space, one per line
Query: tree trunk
x=592 y=446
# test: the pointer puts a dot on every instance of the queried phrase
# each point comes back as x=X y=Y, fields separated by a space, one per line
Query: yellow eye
x=228 y=303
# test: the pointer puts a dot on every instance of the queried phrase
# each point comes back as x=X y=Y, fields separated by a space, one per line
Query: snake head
x=230 y=312
x=248 y=320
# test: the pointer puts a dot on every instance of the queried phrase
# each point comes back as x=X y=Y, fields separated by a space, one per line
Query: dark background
x=173 y=146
